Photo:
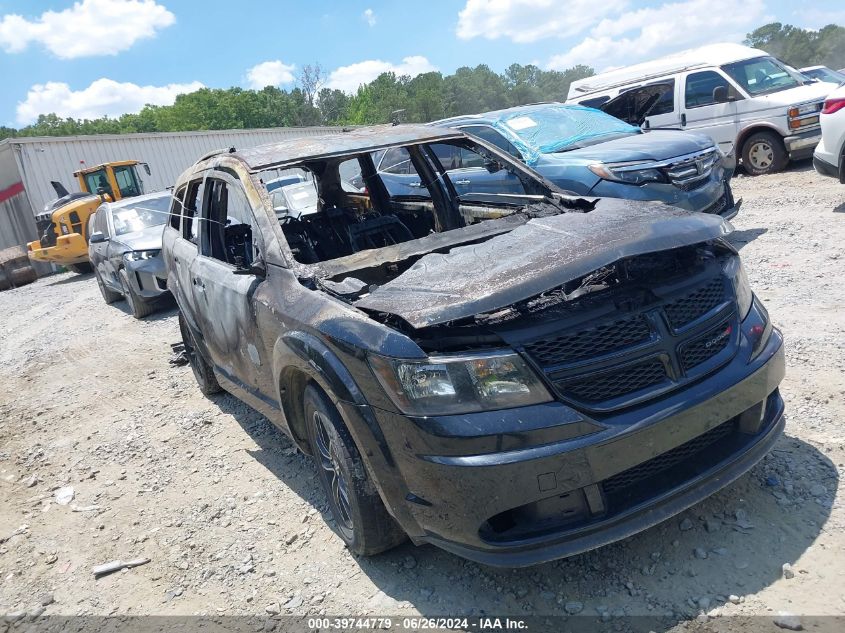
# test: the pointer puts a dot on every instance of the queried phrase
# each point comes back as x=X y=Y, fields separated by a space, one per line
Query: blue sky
x=95 y=57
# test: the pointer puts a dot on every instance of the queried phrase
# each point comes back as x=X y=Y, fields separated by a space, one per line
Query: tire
x=763 y=153
x=109 y=296
x=361 y=519
x=203 y=372
x=137 y=305
x=83 y=268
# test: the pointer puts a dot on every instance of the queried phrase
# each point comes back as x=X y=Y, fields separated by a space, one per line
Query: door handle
x=175 y=260
x=463 y=182
x=683 y=119
x=198 y=283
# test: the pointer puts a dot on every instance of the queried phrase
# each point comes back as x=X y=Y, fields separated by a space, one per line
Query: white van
x=754 y=106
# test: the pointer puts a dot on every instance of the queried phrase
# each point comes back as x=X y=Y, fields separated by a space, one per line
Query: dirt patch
x=233 y=521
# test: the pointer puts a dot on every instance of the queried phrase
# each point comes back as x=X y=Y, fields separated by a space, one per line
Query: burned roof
x=348 y=142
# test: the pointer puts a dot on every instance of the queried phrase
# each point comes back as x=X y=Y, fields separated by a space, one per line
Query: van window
x=761 y=75
x=666 y=103
x=699 y=89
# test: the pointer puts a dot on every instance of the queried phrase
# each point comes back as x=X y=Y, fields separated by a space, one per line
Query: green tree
x=801 y=47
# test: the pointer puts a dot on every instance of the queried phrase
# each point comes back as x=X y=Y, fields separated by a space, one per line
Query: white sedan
x=829 y=157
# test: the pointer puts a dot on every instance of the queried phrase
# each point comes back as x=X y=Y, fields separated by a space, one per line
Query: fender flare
x=308 y=354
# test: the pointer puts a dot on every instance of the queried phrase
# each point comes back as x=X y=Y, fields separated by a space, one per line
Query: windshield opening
x=141 y=215
x=345 y=205
x=763 y=75
x=562 y=128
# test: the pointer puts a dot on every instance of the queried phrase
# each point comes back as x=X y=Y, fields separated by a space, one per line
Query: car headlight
x=135 y=256
x=446 y=385
x=636 y=173
x=744 y=296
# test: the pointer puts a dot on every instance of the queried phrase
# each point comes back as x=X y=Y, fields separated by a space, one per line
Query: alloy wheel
x=330 y=463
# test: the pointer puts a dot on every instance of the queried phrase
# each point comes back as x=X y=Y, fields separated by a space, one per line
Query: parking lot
x=232 y=517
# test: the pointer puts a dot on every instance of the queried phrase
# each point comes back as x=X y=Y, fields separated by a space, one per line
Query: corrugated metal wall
x=17 y=224
x=40 y=160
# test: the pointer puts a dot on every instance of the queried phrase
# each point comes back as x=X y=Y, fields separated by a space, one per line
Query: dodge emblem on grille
x=718 y=338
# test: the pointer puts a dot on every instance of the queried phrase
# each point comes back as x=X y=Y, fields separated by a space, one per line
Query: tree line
x=423 y=98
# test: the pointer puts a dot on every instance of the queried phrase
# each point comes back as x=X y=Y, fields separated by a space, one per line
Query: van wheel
x=763 y=153
x=109 y=296
x=137 y=305
x=362 y=520
x=203 y=372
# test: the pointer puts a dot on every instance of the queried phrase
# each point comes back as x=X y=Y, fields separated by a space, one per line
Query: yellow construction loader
x=63 y=227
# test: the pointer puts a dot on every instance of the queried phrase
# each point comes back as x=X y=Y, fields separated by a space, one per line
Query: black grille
x=614 y=384
x=695 y=304
x=706 y=347
x=655 y=465
x=590 y=342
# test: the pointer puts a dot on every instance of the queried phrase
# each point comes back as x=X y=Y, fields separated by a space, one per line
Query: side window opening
x=175 y=220
x=700 y=86
x=230 y=233
x=494 y=137
x=192 y=210
x=392 y=196
x=127 y=182
x=97 y=183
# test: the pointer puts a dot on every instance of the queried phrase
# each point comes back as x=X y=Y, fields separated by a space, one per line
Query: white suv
x=829 y=157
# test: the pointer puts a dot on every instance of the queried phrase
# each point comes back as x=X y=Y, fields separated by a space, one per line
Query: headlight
x=445 y=385
x=135 y=256
x=744 y=296
x=631 y=173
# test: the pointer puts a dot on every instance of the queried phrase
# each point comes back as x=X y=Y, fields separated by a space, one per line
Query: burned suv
x=514 y=377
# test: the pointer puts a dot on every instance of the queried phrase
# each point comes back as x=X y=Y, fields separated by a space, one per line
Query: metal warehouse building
x=27 y=165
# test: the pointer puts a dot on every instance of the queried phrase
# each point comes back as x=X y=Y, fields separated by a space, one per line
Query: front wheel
x=109 y=296
x=137 y=305
x=763 y=153
x=362 y=520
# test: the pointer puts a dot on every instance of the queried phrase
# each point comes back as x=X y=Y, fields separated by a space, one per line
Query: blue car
x=590 y=153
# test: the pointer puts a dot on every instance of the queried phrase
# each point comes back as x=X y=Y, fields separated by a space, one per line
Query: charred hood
x=540 y=255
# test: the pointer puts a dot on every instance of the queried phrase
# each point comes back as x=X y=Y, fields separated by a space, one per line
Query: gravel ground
x=233 y=521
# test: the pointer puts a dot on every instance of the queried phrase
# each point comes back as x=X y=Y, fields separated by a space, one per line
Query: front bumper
x=801 y=145
x=69 y=249
x=148 y=277
x=548 y=466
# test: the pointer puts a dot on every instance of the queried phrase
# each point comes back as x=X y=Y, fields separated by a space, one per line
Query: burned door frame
x=223 y=300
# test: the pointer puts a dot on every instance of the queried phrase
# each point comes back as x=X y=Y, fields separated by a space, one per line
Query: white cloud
x=104 y=97
x=89 y=27
x=272 y=73
x=524 y=21
x=654 y=31
x=369 y=17
x=348 y=78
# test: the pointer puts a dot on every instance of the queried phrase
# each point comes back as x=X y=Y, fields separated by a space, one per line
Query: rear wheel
x=203 y=372
x=763 y=153
x=137 y=305
x=362 y=520
x=83 y=268
x=109 y=296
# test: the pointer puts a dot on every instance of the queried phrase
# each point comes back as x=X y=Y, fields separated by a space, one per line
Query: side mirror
x=97 y=237
x=720 y=94
x=257 y=269
x=147 y=169
x=492 y=166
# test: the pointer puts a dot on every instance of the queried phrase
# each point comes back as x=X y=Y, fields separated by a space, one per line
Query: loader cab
x=115 y=180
